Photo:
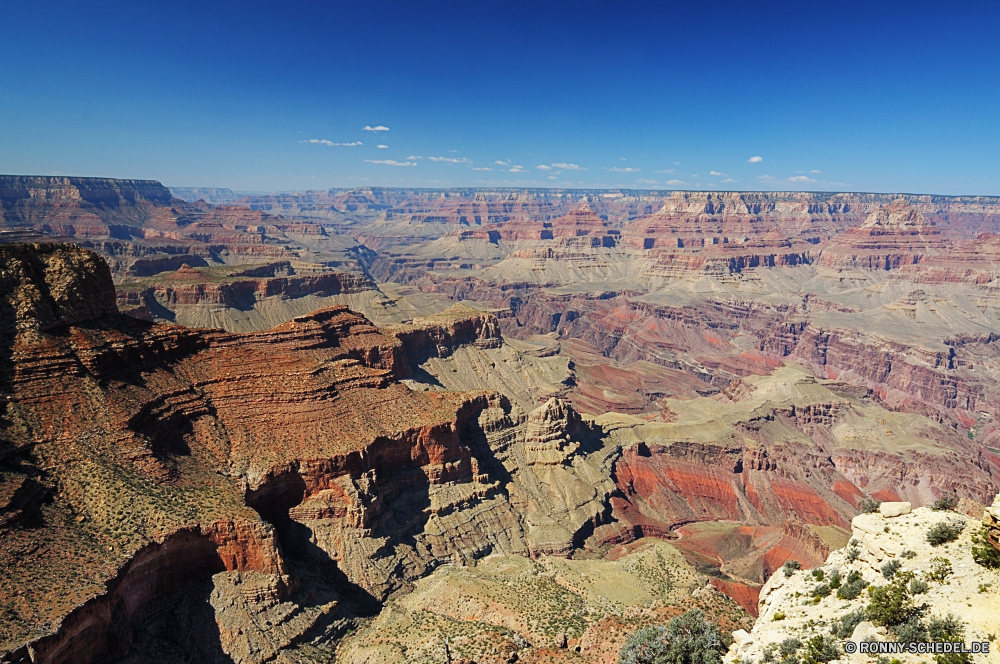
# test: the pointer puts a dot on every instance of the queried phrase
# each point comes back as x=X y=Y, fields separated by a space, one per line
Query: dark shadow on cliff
x=178 y=628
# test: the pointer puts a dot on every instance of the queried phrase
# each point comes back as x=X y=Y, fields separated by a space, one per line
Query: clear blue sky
x=861 y=96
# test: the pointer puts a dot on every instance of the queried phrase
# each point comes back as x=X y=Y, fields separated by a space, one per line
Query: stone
x=888 y=509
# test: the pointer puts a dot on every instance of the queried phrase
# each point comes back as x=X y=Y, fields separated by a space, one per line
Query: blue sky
x=859 y=96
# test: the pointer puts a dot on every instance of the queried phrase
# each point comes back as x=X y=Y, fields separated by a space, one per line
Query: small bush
x=912 y=630
x=843 y=626
x=940 y=569
x=983 y=552
x=835 y=579
x=909 y=554
x=855 y=584
x=818 y=574
x=789 y=646
x=687 y=639
x=819 y=649
x=821 y=590
x=948 y=629
x=946 y=502
x=918 y=587
x=868 y=506
x=942 y=533
x=791 y=566
x=852 y=553
x=889 y=569
x=768 y=655
x=778 y=615
x=890 y=605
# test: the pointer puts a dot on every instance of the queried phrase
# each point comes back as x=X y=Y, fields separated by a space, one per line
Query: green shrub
x=890 y=605
x=889 y=569
x=868 y=506
x=778 y=615
x=940 y=569
x=791 y=566
x=818 y=574
x=952 y=630
x=835 y=579
x=821 y=590
x=909 y=554
x=946 y=502
x=912 y=630
x=686 y=639
x=983 y=552
x=843 y=626
x=855 y=584
x=942 y=533
x=918 y=587
x=820 y=648
x=789 y=646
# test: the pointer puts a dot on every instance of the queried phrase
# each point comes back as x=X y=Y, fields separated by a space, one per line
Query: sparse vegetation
x=820 y=648
x=940 y=569
x=911 y=630
x=818 y=574
x=909 y=554
x=943 y=532
x=821 y=590
x=855 y=584
x=835 y=580
x=983 y=552
x=686 y=639
x=946 y=502
x=918 y=587
x=868 y=505
x=790 y=567
x=891 y=604
x=778 y=615
x=948 y=629
x=789 y=646
x=890 y=567
x=843 y=626
x=852 y=552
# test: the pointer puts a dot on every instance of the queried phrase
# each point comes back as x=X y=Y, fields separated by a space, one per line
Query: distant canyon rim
x=294 y=427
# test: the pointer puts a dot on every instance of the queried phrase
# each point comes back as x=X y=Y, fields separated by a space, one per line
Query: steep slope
x=171 y=447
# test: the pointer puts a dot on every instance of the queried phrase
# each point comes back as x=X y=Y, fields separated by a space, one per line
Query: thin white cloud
x=381 y=147
x=451 y=160
x=622 y=158
x=518 y=169
x=755 y=160
x=676 y=182
x=669 y=170
x=569 y=167
x=543 y=167
x=647 y=182
x=376 y=128
x=483 y=168
x=552 y=177
x=800 y=178
x=452 y=150
x=767 y=177
x=390 y=162
x=628 y=169
x=413 y=156
x=323 y=141
x=730 y=180
x=815 y=171
x=714 y=173
x=500 y=163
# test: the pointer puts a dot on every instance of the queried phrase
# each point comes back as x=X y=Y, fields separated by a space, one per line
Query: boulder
x=894 y=509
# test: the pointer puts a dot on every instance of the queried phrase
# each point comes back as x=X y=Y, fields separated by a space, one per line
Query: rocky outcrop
x=178 y=449
x=960 y=587
x=439 y=335
x=991 y=519
x=891 y=237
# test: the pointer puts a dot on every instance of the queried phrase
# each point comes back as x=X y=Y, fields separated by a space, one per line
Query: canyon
x=294 y=427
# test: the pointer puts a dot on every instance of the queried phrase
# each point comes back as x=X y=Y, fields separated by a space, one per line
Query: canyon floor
x=350 y=424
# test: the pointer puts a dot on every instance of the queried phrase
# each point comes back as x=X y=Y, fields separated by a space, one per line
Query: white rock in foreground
x=971 y=593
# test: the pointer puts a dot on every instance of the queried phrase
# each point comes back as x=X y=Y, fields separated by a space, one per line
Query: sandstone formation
x=182 y=454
